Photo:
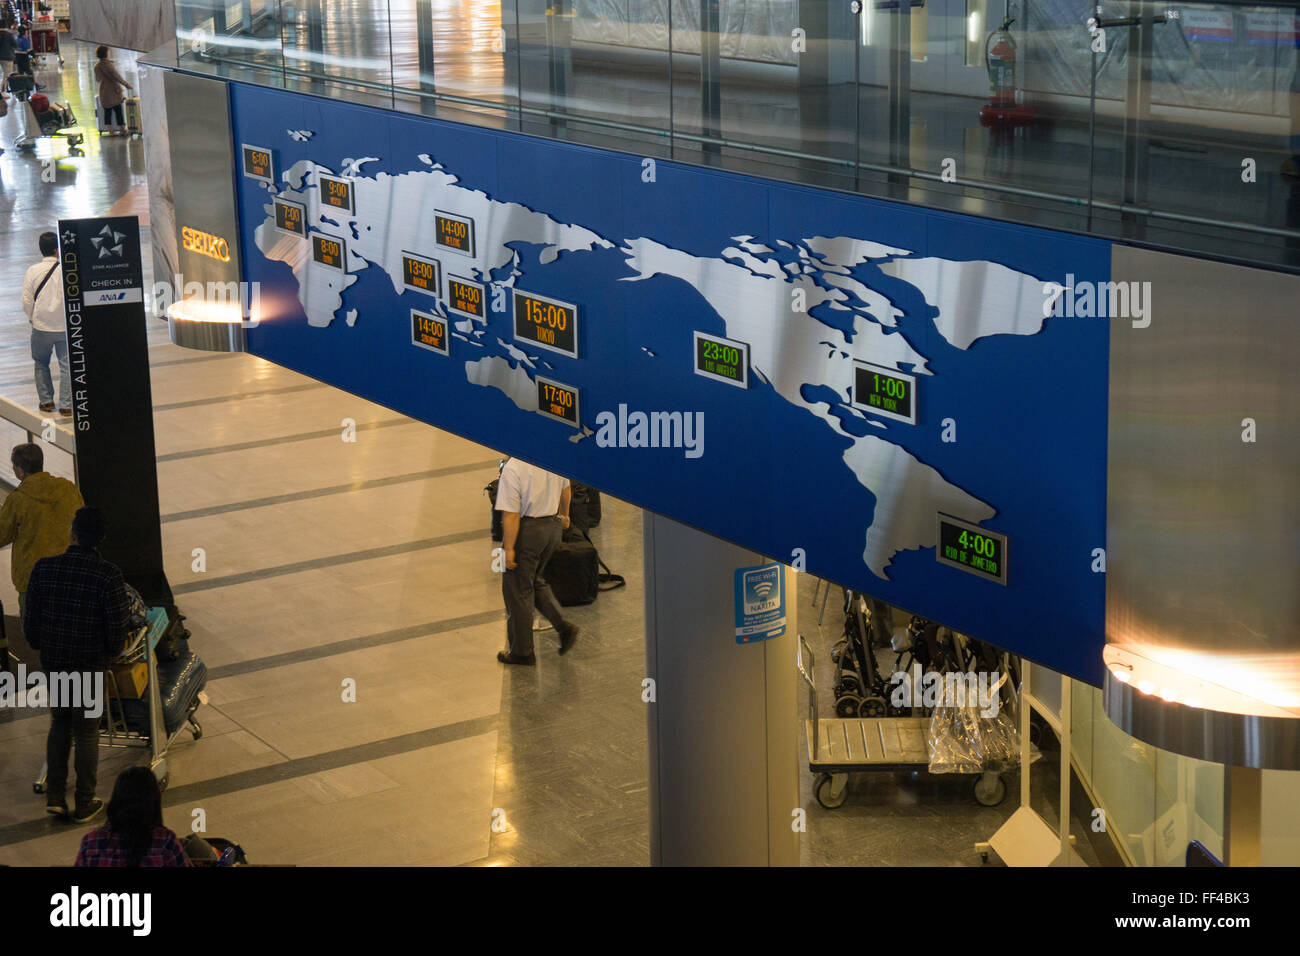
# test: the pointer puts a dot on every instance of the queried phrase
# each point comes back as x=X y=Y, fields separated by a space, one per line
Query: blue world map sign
x=833 y=381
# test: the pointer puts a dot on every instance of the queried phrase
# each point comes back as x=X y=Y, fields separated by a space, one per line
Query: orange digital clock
x=429 y=332
x=557 y=401
x=329 y=251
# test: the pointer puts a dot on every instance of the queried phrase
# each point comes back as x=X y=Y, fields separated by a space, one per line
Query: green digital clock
x=884 y=391
x=972 y=548
x=722 y=359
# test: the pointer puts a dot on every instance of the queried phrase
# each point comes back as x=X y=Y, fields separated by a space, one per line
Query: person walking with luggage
x=534 y=506
x=111 y=86
x=35 y=519
x=43 y=303
x=78 y=614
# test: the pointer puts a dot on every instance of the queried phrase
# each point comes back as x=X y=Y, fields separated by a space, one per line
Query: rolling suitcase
x=99 y=117
x=131 y=111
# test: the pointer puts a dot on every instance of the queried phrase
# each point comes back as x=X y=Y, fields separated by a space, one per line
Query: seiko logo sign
x=205 y=244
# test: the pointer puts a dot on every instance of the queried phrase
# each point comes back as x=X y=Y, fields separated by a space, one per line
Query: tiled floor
x=328 y=564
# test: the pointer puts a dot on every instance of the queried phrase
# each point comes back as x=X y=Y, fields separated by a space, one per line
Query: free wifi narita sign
x=760 y=603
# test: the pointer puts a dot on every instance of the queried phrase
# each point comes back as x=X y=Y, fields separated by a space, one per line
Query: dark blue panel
x=1027 y=403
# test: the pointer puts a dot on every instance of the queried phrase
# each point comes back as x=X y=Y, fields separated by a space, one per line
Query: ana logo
x=109 y=243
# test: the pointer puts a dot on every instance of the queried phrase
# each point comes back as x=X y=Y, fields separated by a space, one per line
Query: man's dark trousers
x=525 y=586
x=67 y=723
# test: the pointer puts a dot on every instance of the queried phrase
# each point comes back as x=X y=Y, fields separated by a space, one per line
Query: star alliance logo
x=108 y=243
x=69 y=237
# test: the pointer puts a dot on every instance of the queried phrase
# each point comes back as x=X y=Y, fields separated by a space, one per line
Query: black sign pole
x=108 y=356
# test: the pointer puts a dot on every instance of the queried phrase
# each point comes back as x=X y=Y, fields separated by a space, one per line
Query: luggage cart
x=45 y=38
x=840 y=746
x=115 y=733
x=35 y=127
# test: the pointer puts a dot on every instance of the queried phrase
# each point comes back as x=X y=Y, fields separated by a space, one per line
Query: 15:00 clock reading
x=546 y=322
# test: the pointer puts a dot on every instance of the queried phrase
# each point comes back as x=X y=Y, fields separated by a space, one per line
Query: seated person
x=135 y=835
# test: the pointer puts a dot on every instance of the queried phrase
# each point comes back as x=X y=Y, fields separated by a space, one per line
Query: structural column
x=723 y=725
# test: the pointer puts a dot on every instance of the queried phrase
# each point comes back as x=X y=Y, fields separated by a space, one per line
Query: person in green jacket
x=36 y=519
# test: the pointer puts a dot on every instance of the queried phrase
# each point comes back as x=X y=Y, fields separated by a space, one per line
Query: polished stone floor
x=328 y=561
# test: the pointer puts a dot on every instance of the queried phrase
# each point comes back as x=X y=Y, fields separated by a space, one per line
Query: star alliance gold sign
x=205 y=244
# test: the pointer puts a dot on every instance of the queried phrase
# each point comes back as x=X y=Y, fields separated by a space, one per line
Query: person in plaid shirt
x=77 y=617
x=135 y=835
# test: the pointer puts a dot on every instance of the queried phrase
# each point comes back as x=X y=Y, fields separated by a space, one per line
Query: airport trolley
x=115 y=731
x=36 y=126
x=838 y=747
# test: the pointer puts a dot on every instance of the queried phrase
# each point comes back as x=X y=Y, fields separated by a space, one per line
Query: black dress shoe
x=506 y=658
x=567 y=638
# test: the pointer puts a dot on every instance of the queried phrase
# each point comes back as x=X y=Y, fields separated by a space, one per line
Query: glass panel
x=346 y=41
x=1175 y=126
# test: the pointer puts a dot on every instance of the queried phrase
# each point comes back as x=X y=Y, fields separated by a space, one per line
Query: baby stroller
x=43 y=118
x=860 y=689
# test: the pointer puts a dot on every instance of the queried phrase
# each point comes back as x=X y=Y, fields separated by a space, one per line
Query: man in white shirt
x=43 y=303
x=534 y=506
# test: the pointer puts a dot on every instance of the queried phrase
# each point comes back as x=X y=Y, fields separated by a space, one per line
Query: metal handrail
x=806 y=674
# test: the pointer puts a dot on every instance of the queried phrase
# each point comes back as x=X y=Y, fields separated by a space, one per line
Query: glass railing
x=1171 y=125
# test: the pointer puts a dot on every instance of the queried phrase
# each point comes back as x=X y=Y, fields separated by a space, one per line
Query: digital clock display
x=335 y=192
x=258 y=163
x=972 y=548
x=722 y=359
x=328 y=251
x=465 y=297
x=454 y=232
x=290 y=217
x=884 y=391
x=429 y=332
x=420 y=274
x=557 y=401
x=541 y=321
